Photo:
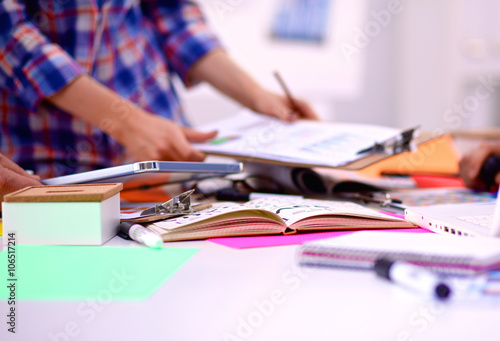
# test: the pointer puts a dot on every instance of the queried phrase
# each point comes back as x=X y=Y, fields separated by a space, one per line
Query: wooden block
x=65 y=193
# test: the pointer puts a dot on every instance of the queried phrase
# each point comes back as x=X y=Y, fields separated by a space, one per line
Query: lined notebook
x=443 y=254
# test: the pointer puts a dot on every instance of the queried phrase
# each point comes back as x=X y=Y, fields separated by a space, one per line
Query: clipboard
x=260 y=139
x=407 y=145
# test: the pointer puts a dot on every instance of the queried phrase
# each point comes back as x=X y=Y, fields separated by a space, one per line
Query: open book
x=273 y=216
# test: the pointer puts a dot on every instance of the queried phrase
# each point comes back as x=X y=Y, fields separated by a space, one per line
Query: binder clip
x=180 y=204
x=395 y=145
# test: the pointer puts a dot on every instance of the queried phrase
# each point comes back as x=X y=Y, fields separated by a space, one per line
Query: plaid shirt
x=133 y=47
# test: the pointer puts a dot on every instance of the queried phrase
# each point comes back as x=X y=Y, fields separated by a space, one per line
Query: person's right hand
x=13 y=177
x=155 y=138
x=146 y=136
x=471 y=163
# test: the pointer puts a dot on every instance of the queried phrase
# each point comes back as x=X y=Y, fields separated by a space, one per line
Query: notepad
x=443 y=254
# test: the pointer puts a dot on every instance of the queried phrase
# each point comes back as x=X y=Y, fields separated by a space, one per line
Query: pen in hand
x=288 y=94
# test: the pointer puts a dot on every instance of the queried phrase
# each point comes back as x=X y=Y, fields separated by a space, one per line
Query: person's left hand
x=13 y=177
x=272 y=104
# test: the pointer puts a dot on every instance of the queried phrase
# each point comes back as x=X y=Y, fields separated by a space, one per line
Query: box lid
x=65 y=193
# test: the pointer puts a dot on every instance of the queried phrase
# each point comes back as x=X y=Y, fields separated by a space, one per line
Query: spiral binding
x=364 y=259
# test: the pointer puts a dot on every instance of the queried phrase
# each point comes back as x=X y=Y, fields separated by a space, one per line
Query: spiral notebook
x=443 y=254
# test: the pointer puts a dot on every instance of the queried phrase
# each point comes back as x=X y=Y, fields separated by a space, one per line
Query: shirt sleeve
x=184 y=35
x=30 y=65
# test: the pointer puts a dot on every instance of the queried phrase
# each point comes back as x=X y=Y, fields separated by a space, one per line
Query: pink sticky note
x=294 y=239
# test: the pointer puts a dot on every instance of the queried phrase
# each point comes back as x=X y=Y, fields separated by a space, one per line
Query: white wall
x=426 y=64
x=447 y=49
x=376 y=102
x=317 y=72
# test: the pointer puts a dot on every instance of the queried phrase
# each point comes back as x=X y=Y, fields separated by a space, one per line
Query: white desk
x=210 y=296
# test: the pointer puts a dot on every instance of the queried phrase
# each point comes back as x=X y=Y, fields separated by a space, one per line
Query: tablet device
x=126 y=172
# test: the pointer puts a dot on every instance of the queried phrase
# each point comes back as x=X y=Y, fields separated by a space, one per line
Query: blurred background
x=392 y=62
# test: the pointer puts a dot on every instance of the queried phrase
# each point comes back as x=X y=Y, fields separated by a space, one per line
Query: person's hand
x=13 y=177
x=146 y=136
x=271 y=104
x=219 y=70
x=471 y=163
x=152 y=137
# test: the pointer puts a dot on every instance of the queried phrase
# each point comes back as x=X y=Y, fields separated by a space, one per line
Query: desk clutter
x=325 y=158
x=365 y=181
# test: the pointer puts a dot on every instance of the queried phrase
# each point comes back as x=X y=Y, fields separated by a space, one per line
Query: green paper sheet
x=45 y=272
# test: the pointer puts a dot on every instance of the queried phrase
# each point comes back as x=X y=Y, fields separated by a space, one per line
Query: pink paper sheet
x=294 y=239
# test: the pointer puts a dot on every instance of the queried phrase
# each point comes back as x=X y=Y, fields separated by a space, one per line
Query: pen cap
x=382 y=267
x=443 y=291
x=123 y=229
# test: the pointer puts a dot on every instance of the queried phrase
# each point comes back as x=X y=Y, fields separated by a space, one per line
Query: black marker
x=413 y=277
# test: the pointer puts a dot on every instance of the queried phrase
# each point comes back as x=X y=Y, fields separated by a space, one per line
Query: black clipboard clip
x=180 y=204
x=395 y=145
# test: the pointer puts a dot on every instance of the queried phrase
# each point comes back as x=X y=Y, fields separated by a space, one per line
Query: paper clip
x=180 y=204
x=395 y=145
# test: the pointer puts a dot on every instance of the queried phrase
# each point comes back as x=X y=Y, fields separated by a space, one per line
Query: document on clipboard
x=251 y=137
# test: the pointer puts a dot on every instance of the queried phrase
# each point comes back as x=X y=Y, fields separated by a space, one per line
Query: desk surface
x=260 y=294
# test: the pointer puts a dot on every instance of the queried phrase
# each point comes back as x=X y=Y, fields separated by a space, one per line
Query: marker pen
x=140 y=234
x=413 y=277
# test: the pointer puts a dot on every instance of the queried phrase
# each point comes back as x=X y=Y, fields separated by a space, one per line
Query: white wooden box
x=63 y=215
